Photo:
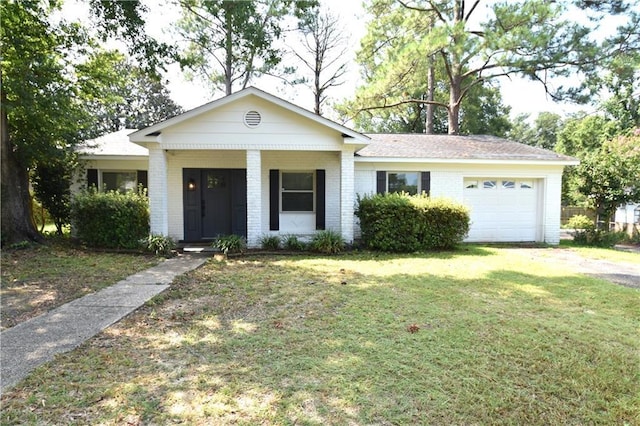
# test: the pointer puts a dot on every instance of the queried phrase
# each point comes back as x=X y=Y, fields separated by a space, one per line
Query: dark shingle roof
x=476 y=147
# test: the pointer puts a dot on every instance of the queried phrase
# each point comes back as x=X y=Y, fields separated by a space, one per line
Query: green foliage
x=610 y=176
x=291 y=242
x=543 y=133
x=270 y=242
x=580 y=222
x=230 y=243
x=327 y=242
x=110 y=219
x=585 y=233
x=598 y=237
x=536 y=39
x=51 y=180
x=160 y=245
x=402 y=223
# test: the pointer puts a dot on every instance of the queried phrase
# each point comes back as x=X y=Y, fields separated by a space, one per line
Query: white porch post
x=347 y=195
x=254 y=198
x=158 y=191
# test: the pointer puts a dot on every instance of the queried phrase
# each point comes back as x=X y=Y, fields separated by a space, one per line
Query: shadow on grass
x=327 y=340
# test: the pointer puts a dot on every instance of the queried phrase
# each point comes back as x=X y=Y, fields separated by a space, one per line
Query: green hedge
x=110 y=219
x=404 y=223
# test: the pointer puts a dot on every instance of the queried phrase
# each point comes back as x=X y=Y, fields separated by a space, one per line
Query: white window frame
x=404 y=172
x=301 y=191
x=101 y=180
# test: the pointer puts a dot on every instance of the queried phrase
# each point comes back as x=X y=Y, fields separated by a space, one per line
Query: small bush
x=580 y=222
x=160 y=245
x=586 y=233
x=291 y=242
x=327 y=242
x=111 y=219
x=270 y=242
x=404 y=223
x=229 y=244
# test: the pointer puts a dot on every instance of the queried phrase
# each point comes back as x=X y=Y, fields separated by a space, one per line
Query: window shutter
x=274 y=200
x=320 y=200
x=425 y=178
x=92 y=178
x=381 y=179
x=142 y=178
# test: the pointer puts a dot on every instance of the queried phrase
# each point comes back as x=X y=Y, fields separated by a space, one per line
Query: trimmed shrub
x=328 y=242
x=402 y=223
x=111 y=219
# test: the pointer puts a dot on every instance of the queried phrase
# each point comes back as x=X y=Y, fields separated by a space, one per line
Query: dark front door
x=215 y=203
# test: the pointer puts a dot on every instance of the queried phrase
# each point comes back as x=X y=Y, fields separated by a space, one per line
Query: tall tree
x=41 y=95
x=530 y=38
x=232 y=42
x=543 y=133
x=483 y=113
x=39 y=111
x=133 y=98
x=610 y=176
x=324 y=47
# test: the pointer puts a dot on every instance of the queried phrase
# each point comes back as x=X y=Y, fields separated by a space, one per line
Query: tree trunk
x=17 y=222
x=228 y=72
x=430 y=89
x=454 y=104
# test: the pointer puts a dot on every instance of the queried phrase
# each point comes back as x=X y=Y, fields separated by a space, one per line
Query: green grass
x=497 y=339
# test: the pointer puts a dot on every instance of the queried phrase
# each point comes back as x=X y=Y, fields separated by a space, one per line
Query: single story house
x=253 y=164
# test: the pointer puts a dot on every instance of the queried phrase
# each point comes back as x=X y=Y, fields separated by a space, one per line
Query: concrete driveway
x=618 y=272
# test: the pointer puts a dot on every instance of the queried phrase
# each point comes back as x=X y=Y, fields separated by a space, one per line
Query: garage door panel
x=504 y=213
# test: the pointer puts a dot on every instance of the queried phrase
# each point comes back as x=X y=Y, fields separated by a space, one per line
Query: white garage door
x=502 y=209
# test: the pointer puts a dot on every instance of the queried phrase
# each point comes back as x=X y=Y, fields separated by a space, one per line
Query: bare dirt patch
x=40 y=278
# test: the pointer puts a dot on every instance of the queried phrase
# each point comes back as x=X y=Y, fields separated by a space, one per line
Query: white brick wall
x=157 y=178
x=254 y=201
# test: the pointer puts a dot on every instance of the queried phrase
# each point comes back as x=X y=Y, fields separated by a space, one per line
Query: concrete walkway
x=36 y=341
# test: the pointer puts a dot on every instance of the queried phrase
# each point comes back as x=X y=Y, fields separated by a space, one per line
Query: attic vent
x=252 y=119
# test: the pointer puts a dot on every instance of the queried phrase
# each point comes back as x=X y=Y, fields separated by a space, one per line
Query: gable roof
x=455 y=148
x=112 y=144
x=149 y=134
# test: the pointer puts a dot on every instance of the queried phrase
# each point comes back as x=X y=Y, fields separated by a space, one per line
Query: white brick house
x=253 y=164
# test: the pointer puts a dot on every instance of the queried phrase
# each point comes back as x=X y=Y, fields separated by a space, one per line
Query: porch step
x=196 y=248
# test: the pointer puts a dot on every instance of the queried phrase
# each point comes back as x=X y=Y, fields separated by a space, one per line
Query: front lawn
x=39 y=278
x=481 y=336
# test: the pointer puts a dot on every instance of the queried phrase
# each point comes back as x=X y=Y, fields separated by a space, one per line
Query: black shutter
x=142 y=178
x=274 y=200
x=92 y=178
x=381 y=178
x=320 y=200
x=425 y=178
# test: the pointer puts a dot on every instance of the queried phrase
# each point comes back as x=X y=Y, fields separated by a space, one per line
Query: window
x=403 y=182
x=297 y=191
x=489 y=184
x=471 y=183
x=526 y=184
x=120 y=181
x=508 y=184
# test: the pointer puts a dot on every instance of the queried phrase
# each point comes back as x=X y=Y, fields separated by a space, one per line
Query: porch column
x=254 y=198
x=347 y=193
x=157 y=181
